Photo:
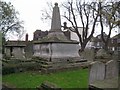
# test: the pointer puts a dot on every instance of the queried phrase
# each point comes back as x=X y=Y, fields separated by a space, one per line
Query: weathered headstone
x=103 y=56
x=111 y=69
x=104 y=75
x=97 y=71
x=88 y=54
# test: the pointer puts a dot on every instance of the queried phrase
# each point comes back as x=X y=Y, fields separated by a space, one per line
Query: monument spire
x=56 y=34
x=56 y=21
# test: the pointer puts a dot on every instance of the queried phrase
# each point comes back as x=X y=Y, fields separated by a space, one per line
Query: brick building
x=114 y=44
x=38 y=34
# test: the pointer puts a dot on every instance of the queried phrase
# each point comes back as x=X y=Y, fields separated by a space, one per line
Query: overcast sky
x=30 y=13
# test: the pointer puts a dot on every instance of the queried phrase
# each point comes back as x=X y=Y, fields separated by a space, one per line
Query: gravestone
x=111 y=69
x=88 y=54
x=97 y=71
x=103 y=56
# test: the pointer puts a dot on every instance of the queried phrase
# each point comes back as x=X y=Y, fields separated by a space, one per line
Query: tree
x=47 y=12
x=87 y=13
x=9 y=22
x=75 y=13
x=116 y=6
x=109 y=15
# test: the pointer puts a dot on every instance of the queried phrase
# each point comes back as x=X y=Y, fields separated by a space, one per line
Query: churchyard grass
x=66 y=79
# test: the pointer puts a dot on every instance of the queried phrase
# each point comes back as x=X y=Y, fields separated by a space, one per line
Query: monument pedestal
x=57 y=51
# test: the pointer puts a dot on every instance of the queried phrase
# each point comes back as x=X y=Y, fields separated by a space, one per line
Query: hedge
x=24 y=66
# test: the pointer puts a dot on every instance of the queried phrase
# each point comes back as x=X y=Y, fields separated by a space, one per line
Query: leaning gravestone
x=88 y=54
x=97 y=71
x=103 y=56
x=111 y=69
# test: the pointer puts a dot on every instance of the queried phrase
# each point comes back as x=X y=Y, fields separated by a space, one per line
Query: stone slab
x=111 y=69
x=107 y=83
x=97 y=71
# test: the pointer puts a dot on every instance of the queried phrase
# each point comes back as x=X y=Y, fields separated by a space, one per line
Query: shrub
x=30 y=66
x=19 y=67
x=7 y=70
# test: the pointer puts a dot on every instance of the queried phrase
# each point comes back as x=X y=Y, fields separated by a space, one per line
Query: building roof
x=104 y=34
x=95 y=39
x=15 y=43
x=116 y=36
x=116 y=42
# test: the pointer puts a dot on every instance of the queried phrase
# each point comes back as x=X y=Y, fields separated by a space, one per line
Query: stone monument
x=103 y=56
x=55 y=48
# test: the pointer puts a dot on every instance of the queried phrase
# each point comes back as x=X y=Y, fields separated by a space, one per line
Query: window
x=112 y=41
x=118 y=48
x=118 y=40
x=113 y=49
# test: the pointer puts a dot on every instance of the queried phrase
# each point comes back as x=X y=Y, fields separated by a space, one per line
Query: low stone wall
x=49 y=66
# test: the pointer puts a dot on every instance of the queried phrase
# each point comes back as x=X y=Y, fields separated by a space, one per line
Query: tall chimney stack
x=26 y=37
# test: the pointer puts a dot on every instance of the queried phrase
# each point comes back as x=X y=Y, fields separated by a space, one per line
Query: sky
x=30 y=11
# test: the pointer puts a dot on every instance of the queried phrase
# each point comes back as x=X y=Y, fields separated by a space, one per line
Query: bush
x=30 y=66
x=24 y=66
x=7 y=70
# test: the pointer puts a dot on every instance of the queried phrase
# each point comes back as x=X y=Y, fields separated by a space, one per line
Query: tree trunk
x=3 y=44
x=83 y=45
x=105 y=46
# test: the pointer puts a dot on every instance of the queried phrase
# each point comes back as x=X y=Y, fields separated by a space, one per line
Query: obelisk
x=56 y=20
x=55 y=49
x=55 y=31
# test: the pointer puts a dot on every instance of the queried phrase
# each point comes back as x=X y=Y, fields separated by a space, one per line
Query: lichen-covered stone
x=102 y=54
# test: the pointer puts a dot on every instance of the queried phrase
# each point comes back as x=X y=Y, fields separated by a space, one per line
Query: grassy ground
x=66 y=79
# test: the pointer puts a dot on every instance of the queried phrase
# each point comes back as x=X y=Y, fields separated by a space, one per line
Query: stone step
x=45 y=66
x=55 y=67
